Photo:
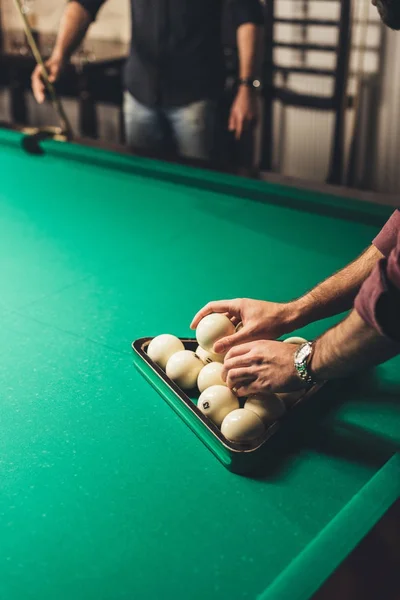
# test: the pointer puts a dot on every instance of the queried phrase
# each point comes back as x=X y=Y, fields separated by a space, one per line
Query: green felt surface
x=106 y=494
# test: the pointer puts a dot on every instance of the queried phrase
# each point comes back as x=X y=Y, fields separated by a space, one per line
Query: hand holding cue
x=64 y=121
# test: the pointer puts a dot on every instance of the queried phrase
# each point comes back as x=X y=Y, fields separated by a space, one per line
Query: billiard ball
x=216 y=402
x=162 y=347
x=183 y=368
x=210 y=375
x=212 y=328
x=242 y=426
x=207 y=357
x=295 y=340
x=268 y=407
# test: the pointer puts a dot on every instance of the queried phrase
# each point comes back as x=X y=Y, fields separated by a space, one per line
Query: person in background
x=174 y=74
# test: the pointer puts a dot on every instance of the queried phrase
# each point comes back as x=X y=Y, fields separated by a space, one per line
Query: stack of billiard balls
x=239 y=421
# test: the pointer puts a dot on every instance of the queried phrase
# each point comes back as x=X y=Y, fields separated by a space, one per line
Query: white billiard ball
x=242 y=426
x=295 y=340
x=268 y=407
x=207 y=357
x=210 y=375
x=162 y=347
x=184 y=368
x=212 y=328
x=216 y=402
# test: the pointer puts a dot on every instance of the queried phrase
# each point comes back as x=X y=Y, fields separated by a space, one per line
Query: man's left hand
x=261 y=367
x=243 y=111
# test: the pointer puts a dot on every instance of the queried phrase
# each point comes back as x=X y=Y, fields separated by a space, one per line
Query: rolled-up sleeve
x=387 y=237
x=92 y=6
x=247 y=11
x=378 y=301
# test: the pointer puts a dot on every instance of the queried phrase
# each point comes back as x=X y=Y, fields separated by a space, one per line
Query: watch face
x=303 y=353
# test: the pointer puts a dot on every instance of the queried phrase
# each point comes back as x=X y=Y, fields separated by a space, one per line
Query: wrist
x=58 y=56
x=295 y=315
x=248 y=83
x=314 y=363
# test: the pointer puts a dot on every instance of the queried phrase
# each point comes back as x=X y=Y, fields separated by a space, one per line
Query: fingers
x=249 y=388
x=232 y=121
x=38 y=87
x=227 y=343
x=54 y=71
x=238 y=369
x=219 y=306
x=236 y=378
x=236 y=124
x=238 y=350
x=239 y=127
x=245 y=360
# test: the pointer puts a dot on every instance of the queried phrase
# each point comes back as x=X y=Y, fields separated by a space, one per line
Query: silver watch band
x=301 y=361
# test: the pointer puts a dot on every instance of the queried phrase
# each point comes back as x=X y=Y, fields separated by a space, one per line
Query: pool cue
x=66 y=128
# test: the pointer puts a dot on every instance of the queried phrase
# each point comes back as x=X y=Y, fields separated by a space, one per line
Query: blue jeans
x=191 y=128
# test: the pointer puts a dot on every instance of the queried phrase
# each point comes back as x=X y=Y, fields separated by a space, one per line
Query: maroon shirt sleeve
x=387 y=237
x=378 y=301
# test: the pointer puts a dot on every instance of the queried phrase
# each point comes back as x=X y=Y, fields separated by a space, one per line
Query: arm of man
x=369 y=336
x=248 y=18
x=74 y=24
x=337 y=293
x=270 y=320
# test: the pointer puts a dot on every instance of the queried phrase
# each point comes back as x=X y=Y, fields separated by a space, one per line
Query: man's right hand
x=261 y=320
x=54 y=67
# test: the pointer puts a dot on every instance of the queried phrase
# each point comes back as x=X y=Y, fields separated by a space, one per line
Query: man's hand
x=243 y=111
x=54 y=67
x=262 y=367
x=261 y=320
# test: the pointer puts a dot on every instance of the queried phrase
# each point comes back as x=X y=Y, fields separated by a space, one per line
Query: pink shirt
x=378 y=301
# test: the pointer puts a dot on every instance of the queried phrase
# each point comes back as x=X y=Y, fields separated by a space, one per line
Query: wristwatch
x=249 y=82
x=301 y=362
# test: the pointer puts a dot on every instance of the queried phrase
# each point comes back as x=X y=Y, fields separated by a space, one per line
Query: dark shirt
x=176 y=55
x=378 y=301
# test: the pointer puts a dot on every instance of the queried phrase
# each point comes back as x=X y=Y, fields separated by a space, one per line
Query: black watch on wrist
x=249 y=82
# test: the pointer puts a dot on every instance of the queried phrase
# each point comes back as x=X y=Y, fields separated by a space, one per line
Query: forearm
x=73 y=27
x=248 y=36
x=350 y=346
x=337 y=293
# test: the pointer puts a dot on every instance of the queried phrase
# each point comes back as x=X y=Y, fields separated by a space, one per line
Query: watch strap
x=249 y=82
x=301 y=361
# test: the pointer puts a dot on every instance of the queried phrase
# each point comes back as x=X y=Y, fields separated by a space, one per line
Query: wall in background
x=302 y=136
x=385 y=165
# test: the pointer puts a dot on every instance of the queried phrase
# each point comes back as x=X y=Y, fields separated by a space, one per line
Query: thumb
x=224 y=344
x=53 y=72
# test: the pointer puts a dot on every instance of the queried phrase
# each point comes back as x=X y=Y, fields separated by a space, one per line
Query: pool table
x=106 y=493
